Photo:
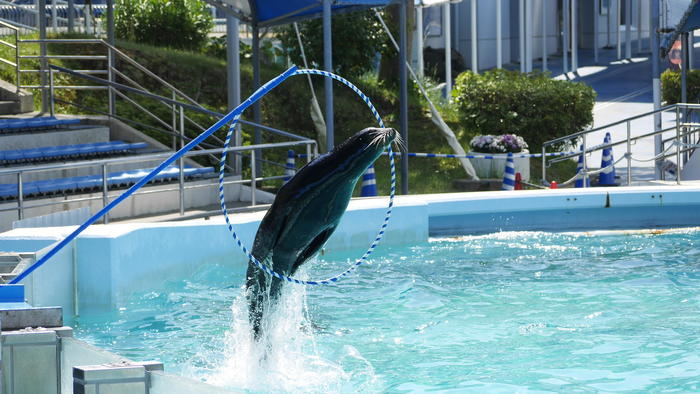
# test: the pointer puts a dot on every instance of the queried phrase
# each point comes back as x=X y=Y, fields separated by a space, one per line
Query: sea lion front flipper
x=313 y=247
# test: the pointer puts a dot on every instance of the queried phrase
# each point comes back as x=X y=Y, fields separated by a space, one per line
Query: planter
x=494 y=168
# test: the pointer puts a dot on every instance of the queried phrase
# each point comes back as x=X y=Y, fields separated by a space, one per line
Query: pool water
x=505 y=312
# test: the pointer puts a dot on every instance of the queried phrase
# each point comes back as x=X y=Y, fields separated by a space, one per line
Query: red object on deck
x=518 y=181
x=553 y=185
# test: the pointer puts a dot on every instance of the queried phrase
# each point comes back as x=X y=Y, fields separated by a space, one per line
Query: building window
x=604 y=7
x=432 y=21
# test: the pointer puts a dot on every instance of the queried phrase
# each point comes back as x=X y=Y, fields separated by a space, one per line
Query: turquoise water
x=504 y=312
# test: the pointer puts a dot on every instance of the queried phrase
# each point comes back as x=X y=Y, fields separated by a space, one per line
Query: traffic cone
x=369 y=183
x=553 y=185
x=518 y=181
x=579 y=168
x=607 y=177
x=290 y=166
x=509 y=174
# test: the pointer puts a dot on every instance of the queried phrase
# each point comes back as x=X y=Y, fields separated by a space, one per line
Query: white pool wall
x=114 y=261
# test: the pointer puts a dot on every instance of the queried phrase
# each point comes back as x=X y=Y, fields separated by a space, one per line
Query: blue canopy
x=277 y=12
x=685 y=15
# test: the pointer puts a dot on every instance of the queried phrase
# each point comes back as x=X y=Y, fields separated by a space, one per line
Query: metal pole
x=628 y=29
x=684 y=69
x=684 y=87
x=499 y=35
x=181 y=162
x=328 y=66
x=609 y=24
x=544 y=35
x=656 y=81
x=110 y=76
x=419 y=39
x=475 y=38
x=105 y=197
x=691 y=46
x=678 y=147
x=253 y=177
x=447 y=33
x=257 y=115
x=565 y=38
x=71 y=15
x=521 y=34
x=544 y=166
x=574 y=36
x=54 y=18
x=51 y=92
x=110 y=21
x=20 y=197
x=596 y=29
x=42 y=62
x=403 y=87
x=629 y=154
x=308 y=153
x=173 y=112
x=18 y=66
x=528 y=36
x=639 y=26
x=233 y=78
x=585 y=163
x=617 y=29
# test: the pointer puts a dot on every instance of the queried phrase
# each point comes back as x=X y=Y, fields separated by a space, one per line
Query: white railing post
x=181 y=162
x=253 y=176
x=105 y=196
x=629 y=154
x=20 y=197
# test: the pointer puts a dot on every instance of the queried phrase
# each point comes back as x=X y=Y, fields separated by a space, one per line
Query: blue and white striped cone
x=369 y=183
x=509 y=174
x=579 y=168
x=290 y=166
x=607 y=177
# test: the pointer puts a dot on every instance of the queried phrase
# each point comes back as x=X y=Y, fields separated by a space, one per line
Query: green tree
x=180 y=24
x=357 y=37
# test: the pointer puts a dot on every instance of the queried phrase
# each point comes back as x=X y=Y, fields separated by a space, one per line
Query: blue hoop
x=383 y=227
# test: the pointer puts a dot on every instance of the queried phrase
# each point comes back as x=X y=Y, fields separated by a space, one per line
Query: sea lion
x=306 y=211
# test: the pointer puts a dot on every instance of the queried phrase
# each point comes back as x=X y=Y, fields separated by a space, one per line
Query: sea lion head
x=358 y=152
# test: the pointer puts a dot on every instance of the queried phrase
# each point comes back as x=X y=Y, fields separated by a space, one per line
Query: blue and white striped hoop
x=382 y=229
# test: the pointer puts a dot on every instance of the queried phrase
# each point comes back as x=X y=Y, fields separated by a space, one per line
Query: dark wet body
x=305 y=213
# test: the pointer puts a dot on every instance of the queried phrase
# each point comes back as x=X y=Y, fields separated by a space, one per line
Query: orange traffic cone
x=553 y=185
x=518 y=181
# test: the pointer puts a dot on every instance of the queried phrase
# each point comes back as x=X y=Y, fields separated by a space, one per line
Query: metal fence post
x=51 y=92
x=544 y=166
x=308 y=153
x=174 y=116
x=253 y=176
x=105 y=197
x=678 y=145
x=110 y=77
x=181 y=162
x=17 y=67
x=585 y=163
x=629 y=154
x=20 y=197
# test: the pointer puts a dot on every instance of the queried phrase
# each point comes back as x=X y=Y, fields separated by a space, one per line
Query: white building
x=523 y=22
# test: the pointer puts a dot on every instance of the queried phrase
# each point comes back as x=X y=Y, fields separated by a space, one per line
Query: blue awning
x=685 y=15
x=277 y=12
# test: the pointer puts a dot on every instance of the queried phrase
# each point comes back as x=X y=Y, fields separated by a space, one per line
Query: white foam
x=286 y=357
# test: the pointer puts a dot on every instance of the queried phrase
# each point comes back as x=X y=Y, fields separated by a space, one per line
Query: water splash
x=286 y=357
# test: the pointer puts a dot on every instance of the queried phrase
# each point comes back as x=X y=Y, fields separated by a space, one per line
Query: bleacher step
x=8 y=107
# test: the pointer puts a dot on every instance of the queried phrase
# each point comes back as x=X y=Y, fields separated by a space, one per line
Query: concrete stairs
x=14 y=102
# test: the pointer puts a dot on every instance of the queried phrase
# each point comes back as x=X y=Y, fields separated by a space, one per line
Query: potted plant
x=499 y=146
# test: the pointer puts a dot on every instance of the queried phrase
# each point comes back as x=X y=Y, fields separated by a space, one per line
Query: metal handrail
x=104 y=163
x=683 y=129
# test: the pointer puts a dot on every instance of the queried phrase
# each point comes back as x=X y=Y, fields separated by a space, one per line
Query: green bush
x=357 y=37
x=180 y=24
x=533 y=106
x=671 y=86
